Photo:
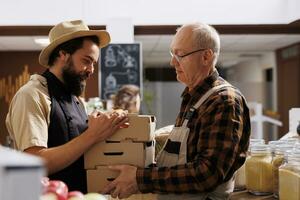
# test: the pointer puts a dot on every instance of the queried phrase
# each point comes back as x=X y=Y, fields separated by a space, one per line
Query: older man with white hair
x=211 y=134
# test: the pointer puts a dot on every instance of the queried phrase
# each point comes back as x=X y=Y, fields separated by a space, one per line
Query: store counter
x=244 y=195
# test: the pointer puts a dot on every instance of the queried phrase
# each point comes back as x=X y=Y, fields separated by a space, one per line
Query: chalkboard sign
x=120 y=64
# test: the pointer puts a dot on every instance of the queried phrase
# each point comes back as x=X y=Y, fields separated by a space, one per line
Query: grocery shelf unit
x=257 y=120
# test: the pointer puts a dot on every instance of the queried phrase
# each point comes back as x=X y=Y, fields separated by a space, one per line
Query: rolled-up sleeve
x=28 y=118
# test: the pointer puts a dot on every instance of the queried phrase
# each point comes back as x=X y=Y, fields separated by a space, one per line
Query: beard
x=74 y=81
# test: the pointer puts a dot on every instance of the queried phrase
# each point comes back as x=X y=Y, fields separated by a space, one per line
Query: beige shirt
x=29 y=114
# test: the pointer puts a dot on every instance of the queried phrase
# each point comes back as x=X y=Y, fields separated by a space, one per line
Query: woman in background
x=127 y=98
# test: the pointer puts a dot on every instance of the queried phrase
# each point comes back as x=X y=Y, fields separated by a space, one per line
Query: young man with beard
x=46 y=117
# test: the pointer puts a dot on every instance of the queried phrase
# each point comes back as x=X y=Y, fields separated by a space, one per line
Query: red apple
x=45 y=183
x=59 y=188
x=75 y=195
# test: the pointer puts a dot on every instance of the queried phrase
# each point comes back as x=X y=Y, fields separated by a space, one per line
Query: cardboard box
x=98 y=178
x=126 y=152
x=150 y=153
x=141 y=129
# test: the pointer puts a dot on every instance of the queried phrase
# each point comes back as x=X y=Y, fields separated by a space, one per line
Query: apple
x=45 y=183
x=94 y=196
x=75 y=195
x=48 y=196
x=59 y=188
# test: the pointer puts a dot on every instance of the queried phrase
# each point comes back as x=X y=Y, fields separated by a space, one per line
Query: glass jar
x=278 y=160
x=297 y=145
x=289 y=177
x=274 y=144
x=240 y=179
x=258 y=168
x=256 y=141
x=291 y=141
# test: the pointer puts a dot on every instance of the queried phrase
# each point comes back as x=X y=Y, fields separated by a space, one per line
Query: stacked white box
x=133 y=146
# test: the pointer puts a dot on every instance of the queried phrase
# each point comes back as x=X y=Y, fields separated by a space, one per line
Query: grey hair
x=205 y=36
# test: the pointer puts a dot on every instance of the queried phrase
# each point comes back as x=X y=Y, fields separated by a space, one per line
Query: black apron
x=67 y=120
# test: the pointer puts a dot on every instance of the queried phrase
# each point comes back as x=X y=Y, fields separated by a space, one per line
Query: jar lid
x=255 y=141
x=287 y=154
x=282 y=148
x=273 y=144
x=297 y=145
x=291 y=140
x=261 y=141
x=259 y=148
x=293 y=155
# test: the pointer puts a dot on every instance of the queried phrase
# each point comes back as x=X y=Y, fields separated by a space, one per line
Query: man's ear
x=208 y=56
x=64 y=55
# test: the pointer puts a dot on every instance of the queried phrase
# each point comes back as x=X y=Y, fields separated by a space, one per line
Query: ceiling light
x=42 y=41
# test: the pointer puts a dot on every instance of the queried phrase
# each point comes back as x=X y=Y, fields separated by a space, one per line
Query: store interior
x=260 y=52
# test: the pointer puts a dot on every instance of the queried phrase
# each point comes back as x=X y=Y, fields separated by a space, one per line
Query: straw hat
x=69 y=30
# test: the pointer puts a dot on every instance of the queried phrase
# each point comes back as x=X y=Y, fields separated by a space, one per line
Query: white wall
x=166 y=101
x=266 y=62
x=294 y=7
x=145 y=12
x=249 y=78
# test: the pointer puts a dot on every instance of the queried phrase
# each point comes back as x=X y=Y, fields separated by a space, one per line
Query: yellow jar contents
x=280 y=157
x=277 y=161
x=259 y=178
x=289 y=185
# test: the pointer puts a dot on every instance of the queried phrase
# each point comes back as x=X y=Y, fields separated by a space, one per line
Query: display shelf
x=257 y=119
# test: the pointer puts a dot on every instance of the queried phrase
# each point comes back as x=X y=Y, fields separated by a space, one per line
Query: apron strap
x=208 y=93
x=201 y=101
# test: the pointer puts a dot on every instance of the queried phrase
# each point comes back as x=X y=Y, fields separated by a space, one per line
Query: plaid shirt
x=216 y=147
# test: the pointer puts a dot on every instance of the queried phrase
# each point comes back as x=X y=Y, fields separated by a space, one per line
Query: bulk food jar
x=279 y=159
x=240 y=179
x=258 y=168
x=289 y=177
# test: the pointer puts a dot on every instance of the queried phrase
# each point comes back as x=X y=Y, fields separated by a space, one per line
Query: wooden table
x=244 y=195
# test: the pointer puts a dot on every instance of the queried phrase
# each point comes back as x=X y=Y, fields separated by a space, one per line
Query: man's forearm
x=178 y=179
x=58 y=158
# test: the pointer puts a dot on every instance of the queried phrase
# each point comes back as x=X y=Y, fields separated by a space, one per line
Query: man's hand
x=100 y=127
x=125 y=184
x=103 y=125
x=121 y=113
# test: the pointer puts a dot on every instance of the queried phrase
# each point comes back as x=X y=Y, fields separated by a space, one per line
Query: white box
x=141 y=129
x=99 y=177
x=126 y=152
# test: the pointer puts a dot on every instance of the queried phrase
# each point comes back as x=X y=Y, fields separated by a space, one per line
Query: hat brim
x=103 y=36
